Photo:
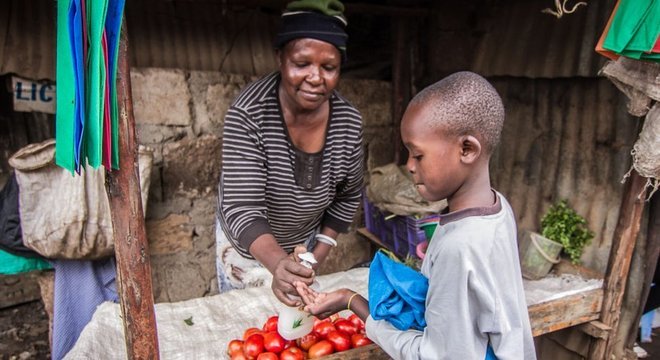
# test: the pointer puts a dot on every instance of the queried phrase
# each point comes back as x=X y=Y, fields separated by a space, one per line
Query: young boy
x=475 y=296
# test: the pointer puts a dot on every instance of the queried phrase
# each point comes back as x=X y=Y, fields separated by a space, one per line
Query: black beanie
x=315 y=25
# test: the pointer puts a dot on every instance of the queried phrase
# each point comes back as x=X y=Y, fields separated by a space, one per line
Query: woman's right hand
x=287 y=271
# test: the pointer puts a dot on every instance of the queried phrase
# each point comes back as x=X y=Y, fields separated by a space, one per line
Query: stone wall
x=180 y=115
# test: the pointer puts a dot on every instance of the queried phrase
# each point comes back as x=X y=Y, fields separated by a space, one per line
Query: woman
x=292 y=158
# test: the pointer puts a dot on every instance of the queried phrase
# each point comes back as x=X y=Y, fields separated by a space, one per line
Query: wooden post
x=131 y=247
x=651 y=260
x=623 y=243
x=401 y=77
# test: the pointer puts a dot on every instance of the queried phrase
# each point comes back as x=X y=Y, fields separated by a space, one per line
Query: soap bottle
x=293 y=322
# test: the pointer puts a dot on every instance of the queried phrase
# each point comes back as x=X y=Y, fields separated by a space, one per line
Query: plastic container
x=400 y=234
x=537 y=255
x=294 y=322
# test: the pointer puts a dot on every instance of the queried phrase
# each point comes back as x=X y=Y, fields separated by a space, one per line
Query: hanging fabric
x=634 y=29
x=87 y=131
x=113 y=28
x=66 y=91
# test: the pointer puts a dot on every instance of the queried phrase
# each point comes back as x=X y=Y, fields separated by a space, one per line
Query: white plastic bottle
x=293 y=322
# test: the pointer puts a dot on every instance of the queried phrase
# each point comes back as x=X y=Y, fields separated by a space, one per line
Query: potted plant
x=561 y=229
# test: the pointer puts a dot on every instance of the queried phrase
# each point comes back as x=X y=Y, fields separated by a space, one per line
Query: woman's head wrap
x=316 y=19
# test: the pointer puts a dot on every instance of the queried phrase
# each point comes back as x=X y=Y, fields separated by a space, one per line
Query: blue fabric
x=397 y=293
x=80 y=286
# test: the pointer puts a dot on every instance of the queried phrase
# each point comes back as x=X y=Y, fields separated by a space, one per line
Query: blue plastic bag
x=397 y=293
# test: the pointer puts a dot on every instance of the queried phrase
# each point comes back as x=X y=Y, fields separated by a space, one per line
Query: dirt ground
x=24 y=332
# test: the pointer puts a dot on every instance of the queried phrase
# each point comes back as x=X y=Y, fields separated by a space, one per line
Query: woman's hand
x=323 y=304
x=287 y=271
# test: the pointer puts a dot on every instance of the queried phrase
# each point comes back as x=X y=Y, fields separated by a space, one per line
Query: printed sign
x=33 y=96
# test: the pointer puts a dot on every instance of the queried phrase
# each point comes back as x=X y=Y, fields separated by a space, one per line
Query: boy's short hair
x=465 y=103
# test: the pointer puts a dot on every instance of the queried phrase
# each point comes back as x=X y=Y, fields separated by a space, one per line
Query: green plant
x=563 y=225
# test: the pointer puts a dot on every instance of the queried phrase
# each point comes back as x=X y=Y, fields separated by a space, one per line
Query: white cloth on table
x=216 y=320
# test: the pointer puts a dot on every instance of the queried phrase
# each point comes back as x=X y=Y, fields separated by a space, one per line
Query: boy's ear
x=278 y=56
x=470 y=149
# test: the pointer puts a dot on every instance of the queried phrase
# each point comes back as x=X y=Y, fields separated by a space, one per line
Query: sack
x=65 y=216
x=11 y=238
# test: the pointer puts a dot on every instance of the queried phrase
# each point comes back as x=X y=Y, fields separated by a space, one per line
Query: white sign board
x=31 y=96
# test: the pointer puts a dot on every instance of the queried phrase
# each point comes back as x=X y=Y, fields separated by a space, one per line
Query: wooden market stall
x=595 y=312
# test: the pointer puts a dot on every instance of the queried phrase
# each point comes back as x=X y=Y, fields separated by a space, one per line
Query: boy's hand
x=322 y=304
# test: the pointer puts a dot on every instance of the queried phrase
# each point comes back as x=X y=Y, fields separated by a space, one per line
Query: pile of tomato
x=331 y=335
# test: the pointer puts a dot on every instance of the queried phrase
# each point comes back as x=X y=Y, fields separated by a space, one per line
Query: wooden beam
x=623 y=243
x=401 y=82
x=595 y=329
x=652 y=252
x=367 y=352
x=131 y=247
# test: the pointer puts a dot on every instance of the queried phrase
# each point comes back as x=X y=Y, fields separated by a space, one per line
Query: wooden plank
x=18 y=289
x=565 y=312
x=595 y=329
x=623 y=243
x=130 y=236
x=367 y=352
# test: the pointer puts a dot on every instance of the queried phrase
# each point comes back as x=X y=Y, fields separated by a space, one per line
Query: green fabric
x=11 y=264
x=635 y=29
x=95 y=81
x=327 y=7
x=66 y=92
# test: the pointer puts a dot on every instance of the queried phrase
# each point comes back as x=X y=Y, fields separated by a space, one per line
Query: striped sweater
x=267 y=185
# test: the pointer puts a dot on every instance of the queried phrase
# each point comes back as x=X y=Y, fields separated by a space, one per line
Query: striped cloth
x=269 y=186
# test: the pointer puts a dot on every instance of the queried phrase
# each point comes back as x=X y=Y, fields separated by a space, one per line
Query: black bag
x=11 y=238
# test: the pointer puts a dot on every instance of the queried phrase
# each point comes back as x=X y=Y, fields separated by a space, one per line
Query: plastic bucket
x=537 y=255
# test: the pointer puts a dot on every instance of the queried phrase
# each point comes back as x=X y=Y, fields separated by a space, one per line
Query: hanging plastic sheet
x=77 y=40
x=634 y=29
x=66 y=91
x=95 y=81
x=113 y=28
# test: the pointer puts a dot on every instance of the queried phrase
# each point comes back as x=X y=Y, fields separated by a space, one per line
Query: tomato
x=289 y=343
x=273 y=342
x=253 y=346
x=307 y=341
x=346 y=327
x=339 y=340
x=234 y=346
x=250 y=331
x=267 y=356
x=292 y=353
x=321 y=348
x=357 y=322
x=239 y=356
x=323 y=328
x=358 y=340
x=270 y=324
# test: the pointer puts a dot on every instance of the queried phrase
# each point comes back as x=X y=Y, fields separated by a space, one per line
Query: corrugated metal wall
x=195 y=35
x=565 y=139
x=520 y=40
